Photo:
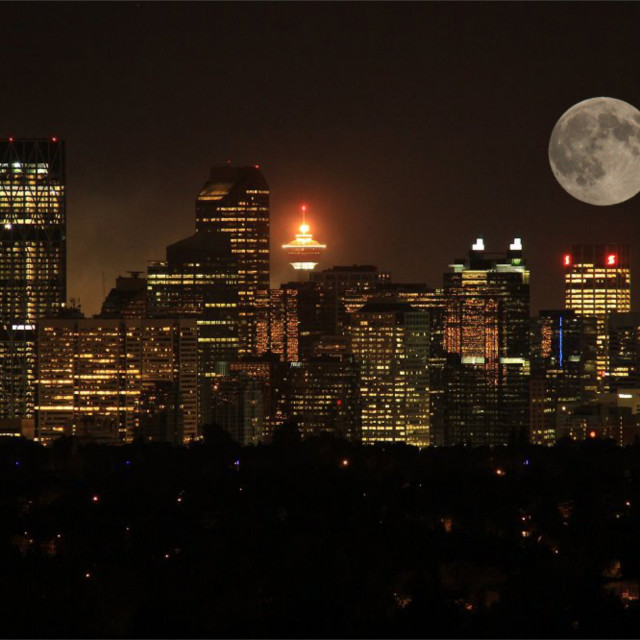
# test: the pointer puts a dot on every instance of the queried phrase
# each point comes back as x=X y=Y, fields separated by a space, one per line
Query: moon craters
x=594 y=151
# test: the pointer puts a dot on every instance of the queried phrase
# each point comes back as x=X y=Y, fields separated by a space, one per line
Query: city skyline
x=319 y=319
x=409 y=131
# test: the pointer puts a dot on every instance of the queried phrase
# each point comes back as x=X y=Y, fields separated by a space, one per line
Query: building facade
x=343 y=290
x=390 y=344
x=199 y=280
x=235 y=201
x=32 y=260
x=598 y=283
x=277 y=324
x=112 y=380
x=563 y=370
x=624 y=351
x=323 y=397
x=486 y=340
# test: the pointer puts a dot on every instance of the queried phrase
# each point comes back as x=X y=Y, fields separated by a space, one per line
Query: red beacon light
x=612 y=259
x=567 y=259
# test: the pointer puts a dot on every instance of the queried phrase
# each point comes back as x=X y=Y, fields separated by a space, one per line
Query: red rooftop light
x=54 y=139
x=567 y=259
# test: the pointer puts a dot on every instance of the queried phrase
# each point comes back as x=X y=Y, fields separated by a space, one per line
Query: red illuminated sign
x=612 y=259
x=567 y=259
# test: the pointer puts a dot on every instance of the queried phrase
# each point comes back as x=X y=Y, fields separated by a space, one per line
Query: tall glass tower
x=235 y=201
x=199 y=280
x=32 y=260
x=486 y=339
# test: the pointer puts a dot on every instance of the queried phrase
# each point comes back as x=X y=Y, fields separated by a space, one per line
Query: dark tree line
x=318 y=538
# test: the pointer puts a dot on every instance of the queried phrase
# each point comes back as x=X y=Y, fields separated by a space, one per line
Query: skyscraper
x=390 y=343
x=335 y=283
x=32 y=260
x=235 y=201
x=563 y=370
x=278 y=321
x=323 y=396
x=199 y=280
x=486 y=337
x=598 y=283
x=624 y=351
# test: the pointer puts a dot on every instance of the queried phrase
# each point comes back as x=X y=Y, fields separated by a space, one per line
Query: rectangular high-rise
x=390 y=344
x=235 y=201
x=199 y=280
x=32 y=260
x=486 y=339
x=563 y=370
x=324 y=396
x=598 y=283
x=277 y=324
x=624 y=351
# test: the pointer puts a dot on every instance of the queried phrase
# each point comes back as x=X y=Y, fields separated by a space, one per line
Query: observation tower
x=304 y=252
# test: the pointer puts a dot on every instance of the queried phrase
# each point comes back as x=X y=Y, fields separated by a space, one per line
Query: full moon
x=594 y=151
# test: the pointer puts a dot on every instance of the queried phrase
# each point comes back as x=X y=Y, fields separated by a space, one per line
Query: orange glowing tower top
x=304 y=252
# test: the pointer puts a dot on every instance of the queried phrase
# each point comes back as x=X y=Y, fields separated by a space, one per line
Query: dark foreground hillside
x=318 y=539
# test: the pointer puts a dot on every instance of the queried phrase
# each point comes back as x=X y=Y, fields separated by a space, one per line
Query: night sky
x=408 y=128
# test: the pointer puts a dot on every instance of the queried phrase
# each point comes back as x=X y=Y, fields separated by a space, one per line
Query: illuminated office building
x=235 y=201
x=32 y=260
x=111 y=380
x=292 y=320
x=390 y=344
x=334 y=284
x=624 y=351
x=198 y=280
x=486 y=339
x=598 y=283
x=277 y=323
x=303 y=251
x=431 y=301
x=323 y=397
x=563 y=371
